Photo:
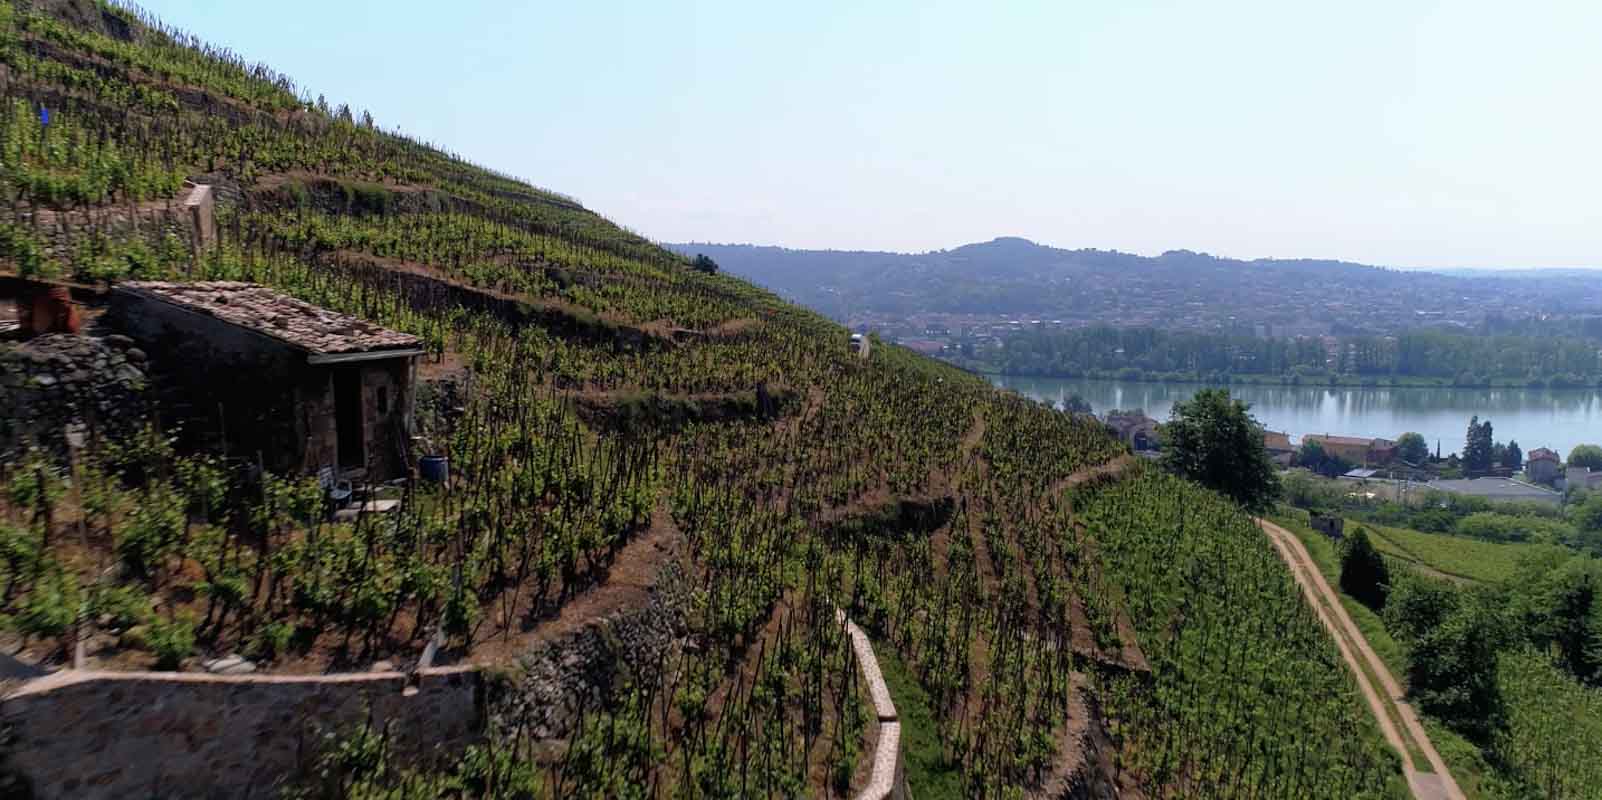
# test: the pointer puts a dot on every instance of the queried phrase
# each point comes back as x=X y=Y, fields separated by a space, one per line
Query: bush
x=271 y=640
x=172 y=640
x=1452 y=640
x=1494 y=526
x=51 y=608
x=125 y=605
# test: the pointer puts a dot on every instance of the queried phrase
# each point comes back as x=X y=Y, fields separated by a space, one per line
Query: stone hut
x=308 y=389
x=1331 y=525
x=1543 y=465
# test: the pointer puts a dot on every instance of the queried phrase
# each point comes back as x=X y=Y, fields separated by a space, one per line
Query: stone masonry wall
x=557 y=681
x=80 y=734
x=59 y=382
x=179 y=735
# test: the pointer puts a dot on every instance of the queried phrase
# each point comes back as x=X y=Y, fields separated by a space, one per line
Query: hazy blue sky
x=1454 y=133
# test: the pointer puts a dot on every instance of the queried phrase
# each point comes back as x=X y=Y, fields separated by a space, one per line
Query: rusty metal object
x=49 y=309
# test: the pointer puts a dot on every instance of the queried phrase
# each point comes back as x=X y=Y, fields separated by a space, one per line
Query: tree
x=1412 y=448
x=1586 y=515
x=1452 y=638
x=1572 y=624
x=1076 y=405
x=1313 y=456
x=1214 y=440
x=1477 y=450
x=704 y=263
x=1363 y=571
x=1515 y=456
x=1586 y=455
x=1304 y=491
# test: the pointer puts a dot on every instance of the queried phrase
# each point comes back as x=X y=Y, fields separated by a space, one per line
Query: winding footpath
x=1388 y=700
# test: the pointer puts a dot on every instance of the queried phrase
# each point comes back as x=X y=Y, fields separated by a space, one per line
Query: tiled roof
x=1540 y=453
x=294 y=322
x=1344 y=441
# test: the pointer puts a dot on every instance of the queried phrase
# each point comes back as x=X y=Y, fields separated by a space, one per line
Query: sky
x=1403 y=132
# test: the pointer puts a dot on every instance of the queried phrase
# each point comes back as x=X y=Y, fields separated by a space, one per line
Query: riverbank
x=1554 y=418
x=1236 y=379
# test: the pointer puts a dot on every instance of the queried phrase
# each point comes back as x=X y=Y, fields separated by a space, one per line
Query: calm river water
x=1555 y=418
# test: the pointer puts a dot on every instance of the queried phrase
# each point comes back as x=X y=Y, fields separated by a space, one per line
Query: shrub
x=51 y=608
x=172 y=640
x=1494 y=526
x=270 y=640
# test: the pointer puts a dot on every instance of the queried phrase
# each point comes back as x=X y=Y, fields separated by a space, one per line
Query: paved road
x=1436 y=784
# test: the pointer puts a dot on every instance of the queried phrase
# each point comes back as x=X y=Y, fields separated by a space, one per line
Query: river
x=1554 y=418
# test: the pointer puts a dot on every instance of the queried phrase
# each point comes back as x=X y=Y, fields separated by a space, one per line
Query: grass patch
x=1476 y=560
x=929 y=775
x=1474 y=775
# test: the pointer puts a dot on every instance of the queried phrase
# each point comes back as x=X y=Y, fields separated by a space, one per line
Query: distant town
x=1505 y=473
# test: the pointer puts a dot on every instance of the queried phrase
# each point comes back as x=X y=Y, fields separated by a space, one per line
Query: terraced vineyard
x=604 y=404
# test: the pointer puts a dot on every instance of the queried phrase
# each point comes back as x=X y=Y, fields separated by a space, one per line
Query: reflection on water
x=1555 y=418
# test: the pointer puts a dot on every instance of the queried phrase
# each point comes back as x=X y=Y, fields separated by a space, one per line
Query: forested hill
x=1183 y=289
x=682 y=477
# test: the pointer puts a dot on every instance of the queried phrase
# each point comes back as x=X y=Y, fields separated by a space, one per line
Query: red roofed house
x=1368 y=452
x=256 y=371
x=1279 y=447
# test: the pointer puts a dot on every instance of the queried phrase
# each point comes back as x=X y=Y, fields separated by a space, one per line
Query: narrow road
x=1383 y=701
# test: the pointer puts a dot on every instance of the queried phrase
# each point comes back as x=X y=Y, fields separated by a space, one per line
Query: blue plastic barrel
x=434 y=468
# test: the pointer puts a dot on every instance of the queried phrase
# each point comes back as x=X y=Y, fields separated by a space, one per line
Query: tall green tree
x=1213 y=439
x=1586 y=455
x=1364 y=574
x=1557 y=598
x=1452 y=638
x=1478 y=449
x=1313 y=456
x=1412 y=447
x=1515 y=456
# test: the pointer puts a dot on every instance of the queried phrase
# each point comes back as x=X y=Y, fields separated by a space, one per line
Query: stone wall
x=555 y=682
x=58 y=384
x=82 y=734
x=180 y=735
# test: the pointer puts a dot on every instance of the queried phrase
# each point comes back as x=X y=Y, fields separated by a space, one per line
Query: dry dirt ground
x=1435 y=784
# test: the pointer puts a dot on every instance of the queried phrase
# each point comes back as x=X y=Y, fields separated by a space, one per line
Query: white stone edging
x=63 y=678
x=886 y=777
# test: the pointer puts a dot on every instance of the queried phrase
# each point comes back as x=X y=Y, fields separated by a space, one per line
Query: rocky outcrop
x=59 y=387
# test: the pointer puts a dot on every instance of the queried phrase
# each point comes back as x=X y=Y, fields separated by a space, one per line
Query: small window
x=383 y=399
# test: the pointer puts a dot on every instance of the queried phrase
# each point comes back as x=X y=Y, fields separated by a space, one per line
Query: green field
x=1456 y=556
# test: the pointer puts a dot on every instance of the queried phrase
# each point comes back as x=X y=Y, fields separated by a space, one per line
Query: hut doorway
x=348 y=418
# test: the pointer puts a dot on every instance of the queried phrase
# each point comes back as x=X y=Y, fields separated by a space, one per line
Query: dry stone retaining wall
x=59 y=382
x=554 y=684
x=83 y=734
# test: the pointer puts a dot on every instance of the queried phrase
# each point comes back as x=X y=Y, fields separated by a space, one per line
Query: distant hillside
x=1178 y=289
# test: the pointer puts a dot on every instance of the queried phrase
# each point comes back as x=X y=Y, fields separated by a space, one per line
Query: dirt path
x=1112 y=468
x=1437 y=784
